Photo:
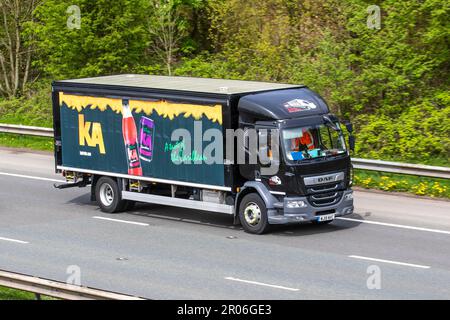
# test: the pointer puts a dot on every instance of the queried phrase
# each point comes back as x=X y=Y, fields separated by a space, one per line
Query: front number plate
x=326 y=217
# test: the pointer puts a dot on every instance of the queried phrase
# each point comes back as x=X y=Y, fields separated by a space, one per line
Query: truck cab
x=314 y=176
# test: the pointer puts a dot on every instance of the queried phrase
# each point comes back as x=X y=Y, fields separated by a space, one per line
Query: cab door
x=268 y=168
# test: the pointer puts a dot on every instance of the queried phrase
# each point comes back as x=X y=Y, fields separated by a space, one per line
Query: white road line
x=29 y=177
x=390 y=261
x=122 y=221
x=261 y=284
x=13 y=240
x=396 y=225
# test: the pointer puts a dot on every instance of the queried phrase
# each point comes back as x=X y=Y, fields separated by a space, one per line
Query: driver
x=306 y=139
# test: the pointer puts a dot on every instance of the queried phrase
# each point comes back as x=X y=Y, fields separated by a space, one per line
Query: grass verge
x=13 y=294
x=422 y=186
x=21 y=141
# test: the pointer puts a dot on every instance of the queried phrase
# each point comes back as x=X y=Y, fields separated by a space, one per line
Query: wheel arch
x=255 y=187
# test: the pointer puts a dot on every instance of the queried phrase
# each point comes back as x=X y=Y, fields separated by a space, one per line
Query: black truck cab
x=314 y=173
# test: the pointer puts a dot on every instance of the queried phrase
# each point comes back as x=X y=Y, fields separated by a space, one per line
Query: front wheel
x=108 y=195
x=253 y=214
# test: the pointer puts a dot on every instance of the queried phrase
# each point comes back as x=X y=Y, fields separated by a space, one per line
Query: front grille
x=325 y=194
x=324 y=188
x=325 y=199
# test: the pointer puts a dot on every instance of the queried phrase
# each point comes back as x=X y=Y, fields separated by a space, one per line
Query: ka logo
x=90 y=134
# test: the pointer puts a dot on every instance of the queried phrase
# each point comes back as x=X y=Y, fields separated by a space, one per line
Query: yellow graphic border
x=162 y=108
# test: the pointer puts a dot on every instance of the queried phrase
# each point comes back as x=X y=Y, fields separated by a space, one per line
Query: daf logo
x=310 y=181
x=325 y=179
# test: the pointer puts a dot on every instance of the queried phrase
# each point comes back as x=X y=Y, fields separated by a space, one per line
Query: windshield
x=311 y=142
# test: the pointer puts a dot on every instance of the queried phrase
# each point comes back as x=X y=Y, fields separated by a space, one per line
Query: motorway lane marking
x=122 y=221
x=390 y=261
x=261 y=284
x=13 y=240
x=29 y=177
x=396 y=225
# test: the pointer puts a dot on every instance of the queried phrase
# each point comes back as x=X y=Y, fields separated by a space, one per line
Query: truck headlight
x=349 y=196
x=296 y=204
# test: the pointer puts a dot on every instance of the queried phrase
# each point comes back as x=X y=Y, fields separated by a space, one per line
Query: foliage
x=167 y=28
x=111 y=39
x=33 y=108
x=391 y=82
x=420 y=134
x=13 y=294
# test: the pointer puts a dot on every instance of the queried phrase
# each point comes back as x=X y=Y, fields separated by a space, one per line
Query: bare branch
x=166 y=32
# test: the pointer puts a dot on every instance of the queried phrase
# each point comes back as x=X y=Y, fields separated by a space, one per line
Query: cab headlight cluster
x=296 y=204
x=349 y=196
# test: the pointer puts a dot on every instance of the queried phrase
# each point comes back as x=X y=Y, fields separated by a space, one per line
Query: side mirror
x=349 y=126
x=351 y=142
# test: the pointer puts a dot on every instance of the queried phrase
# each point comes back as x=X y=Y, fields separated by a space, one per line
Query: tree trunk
x=15 y=57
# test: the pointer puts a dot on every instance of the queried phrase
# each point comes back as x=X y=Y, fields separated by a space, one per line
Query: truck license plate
x=326 y=217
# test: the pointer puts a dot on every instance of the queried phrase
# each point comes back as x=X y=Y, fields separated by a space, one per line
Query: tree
x=167 y=28
x=111 y=39
x=15 y=51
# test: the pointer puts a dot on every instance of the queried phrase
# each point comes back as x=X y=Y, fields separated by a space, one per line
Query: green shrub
x=33 y=109
x=420 y=134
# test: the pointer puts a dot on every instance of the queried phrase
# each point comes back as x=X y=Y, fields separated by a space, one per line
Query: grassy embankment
x=19 y=141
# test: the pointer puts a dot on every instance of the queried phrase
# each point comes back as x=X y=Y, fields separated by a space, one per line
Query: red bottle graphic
x=129 y=132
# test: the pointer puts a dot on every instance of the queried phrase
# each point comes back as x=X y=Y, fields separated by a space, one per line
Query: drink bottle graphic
x=129 y=132
x=146 y=134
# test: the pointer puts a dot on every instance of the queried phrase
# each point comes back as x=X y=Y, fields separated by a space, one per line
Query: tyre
x=108 y=195
x=253 y=214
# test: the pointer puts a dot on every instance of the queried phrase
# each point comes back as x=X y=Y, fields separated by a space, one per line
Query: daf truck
x=166 y=140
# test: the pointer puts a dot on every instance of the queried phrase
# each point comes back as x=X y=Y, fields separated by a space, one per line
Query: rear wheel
x=108 y=195
x=253 y=214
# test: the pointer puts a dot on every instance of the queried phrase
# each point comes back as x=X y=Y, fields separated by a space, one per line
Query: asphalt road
x=393 y=247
